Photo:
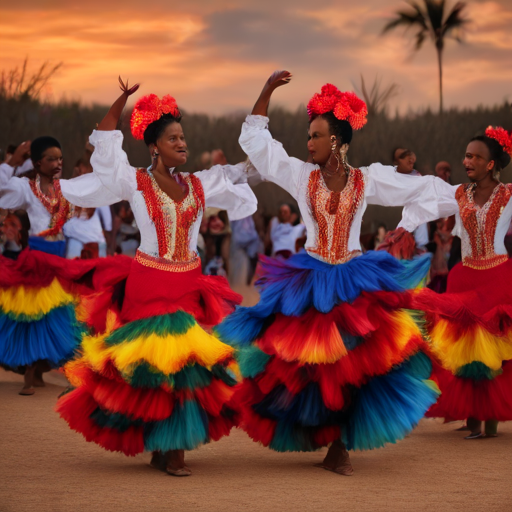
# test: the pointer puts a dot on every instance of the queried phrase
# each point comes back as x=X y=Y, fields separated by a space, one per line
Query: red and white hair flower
x=151 y=108
x=346 y=106
x=502 y=136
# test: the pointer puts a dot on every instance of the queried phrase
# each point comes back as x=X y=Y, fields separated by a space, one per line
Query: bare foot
x=175 y=463
x=27 y=391
x=337 y=460
x=28 y=377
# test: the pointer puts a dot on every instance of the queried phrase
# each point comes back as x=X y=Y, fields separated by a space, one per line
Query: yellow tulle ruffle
x=476 y=344
x=34 y=303
x=167 y=354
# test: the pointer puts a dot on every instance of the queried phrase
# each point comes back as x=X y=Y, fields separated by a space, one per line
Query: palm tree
x=430 y=21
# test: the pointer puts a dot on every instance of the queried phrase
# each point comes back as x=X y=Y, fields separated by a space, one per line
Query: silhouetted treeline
x=431 y=137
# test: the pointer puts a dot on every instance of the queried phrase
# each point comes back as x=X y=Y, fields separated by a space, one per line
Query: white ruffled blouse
x=119 y=181
x=333 y=219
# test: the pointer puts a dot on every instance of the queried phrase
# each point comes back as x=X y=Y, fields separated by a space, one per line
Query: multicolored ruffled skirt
x=328 y=353
x=38 y=296
x=154 y=379
x=470 y=329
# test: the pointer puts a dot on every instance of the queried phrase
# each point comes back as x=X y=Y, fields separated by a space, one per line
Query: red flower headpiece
x=151 y=108
x=502 y=136
x=346 y=106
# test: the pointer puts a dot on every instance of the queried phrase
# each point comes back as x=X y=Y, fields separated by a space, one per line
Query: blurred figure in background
x=246 y=240
x=444 y=171
x=282 y=234
x=86 y=232
x=14 y=230
x=125 y=233
x=404 y=161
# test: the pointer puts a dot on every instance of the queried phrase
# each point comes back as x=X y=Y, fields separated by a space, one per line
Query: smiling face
x=50 y=164
x=404 y=161
x=477 y=160
x=171 y=145
x=319 y=141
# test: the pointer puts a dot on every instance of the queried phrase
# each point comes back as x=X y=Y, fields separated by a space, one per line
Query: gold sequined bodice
x=480 y=226
x=333 y=213
x=173 y=220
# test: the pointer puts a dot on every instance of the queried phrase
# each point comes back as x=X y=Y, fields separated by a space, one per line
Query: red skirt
x=470 y=327
x=153 y=378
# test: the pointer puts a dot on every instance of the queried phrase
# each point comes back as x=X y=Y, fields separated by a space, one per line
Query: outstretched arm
x=109 y=122
x=277 y=79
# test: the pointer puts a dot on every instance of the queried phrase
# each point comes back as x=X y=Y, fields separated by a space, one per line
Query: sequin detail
x=56 y=205
x=173 y=220
x=163 y=264
x=334 y=213
x=480 y=226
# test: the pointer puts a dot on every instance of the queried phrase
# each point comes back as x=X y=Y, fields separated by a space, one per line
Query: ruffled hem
x=483 y=399
x=383 y=410
x=158 y=383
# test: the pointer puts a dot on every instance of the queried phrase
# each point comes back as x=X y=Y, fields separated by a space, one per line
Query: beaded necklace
x=55 y=204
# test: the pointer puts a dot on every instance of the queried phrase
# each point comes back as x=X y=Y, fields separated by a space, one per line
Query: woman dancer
x=470 y=326
x=327 y=355
x=39 y=291
x=154 y=380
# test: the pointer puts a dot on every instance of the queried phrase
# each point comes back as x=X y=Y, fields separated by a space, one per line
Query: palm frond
x=455 y=19
x=435 y=14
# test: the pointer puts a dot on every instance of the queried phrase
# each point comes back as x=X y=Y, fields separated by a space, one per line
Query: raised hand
x=278 y=78
x=20 y=154
x=125 y=87
x=109 y=122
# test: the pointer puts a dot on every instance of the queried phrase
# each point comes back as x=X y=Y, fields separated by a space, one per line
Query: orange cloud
x=178 y=52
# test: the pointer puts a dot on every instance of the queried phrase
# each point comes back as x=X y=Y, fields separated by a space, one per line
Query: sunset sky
x=214 y=56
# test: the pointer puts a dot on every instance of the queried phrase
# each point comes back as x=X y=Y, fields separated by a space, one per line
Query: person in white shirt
x=283 y=234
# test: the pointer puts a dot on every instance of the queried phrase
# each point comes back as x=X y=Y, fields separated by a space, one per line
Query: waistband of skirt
x=167 y=265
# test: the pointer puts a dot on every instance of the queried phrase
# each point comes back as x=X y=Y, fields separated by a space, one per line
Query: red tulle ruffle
x=462 y=398
x=473 y=297
x=76 y=408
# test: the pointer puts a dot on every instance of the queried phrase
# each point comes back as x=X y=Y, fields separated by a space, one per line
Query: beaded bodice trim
x=333 y=213
x=173 y=220
x=480 y=226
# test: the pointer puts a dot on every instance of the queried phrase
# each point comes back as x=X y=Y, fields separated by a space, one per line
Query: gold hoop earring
x=333 y=143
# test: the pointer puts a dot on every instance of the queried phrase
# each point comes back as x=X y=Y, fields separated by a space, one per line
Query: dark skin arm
x=109 y=122
x=277 y=79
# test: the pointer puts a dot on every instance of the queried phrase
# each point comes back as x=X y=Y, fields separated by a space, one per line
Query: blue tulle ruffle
x=52 y=338
x=293 y=286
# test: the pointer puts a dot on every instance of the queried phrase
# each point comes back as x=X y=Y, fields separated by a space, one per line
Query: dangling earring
x=496 y=175
x=344 y=161
x=155 y=153
x=333 y=143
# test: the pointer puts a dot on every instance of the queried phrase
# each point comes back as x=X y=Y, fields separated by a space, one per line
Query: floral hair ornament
x=502 y=136
x=346 y=106
x=151 y=108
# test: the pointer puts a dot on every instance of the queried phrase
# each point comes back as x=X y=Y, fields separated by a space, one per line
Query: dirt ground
x=46 y=467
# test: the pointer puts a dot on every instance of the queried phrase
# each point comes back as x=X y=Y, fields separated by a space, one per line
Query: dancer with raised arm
x=327 y=355
x=153 y=379
x=470 y=326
